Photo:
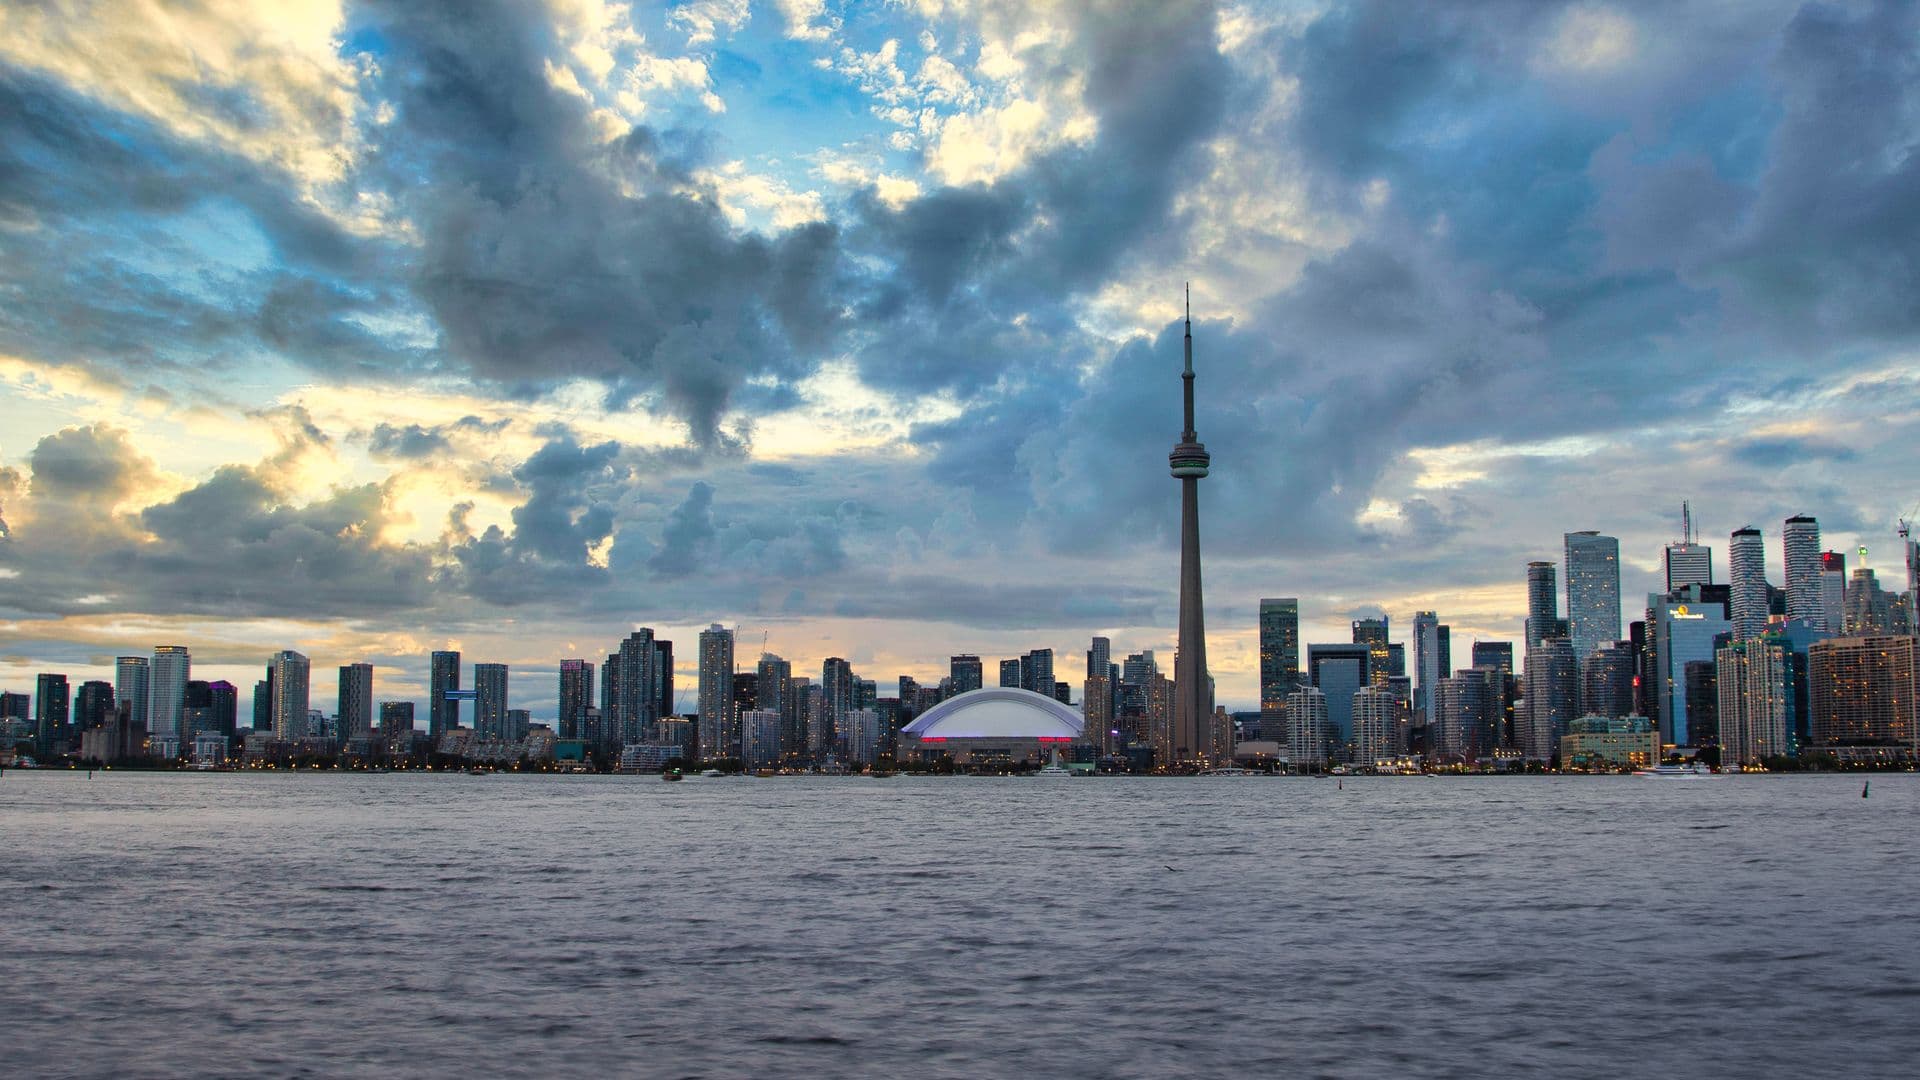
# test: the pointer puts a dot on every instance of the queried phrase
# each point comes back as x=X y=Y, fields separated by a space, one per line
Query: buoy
x=1864 y=785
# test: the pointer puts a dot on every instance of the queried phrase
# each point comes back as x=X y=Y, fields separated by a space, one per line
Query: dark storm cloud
x=90 y=463
x=537 y=265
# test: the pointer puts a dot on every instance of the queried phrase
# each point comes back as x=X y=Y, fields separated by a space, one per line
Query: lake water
x=407 y=925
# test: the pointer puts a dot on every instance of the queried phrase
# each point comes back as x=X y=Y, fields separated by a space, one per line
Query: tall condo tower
x=1747 y=574
x=1800 y=551
x=1593 y=591
x=1193 y=688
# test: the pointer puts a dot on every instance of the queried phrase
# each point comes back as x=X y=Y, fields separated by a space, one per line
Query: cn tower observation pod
x=997 y=722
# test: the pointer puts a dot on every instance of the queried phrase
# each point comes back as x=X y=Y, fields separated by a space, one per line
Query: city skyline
x=285 y=407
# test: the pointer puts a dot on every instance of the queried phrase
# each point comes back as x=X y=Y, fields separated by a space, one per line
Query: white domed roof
x=997 y=712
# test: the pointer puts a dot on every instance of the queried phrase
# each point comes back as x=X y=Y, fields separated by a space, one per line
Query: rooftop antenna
x=1686 y=522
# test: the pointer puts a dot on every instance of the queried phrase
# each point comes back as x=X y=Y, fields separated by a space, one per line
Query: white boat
x=1230 y=770
x=1054 y=768
x=1691 y=770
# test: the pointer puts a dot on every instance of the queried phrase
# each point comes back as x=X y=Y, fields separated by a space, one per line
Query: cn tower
x=1192 y=690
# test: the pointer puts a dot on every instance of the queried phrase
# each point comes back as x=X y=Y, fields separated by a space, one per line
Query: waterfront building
x=761 y=738
x=1755 y=683
x=1193 y=685
x=356 y=701
x=263 y=703
x=1159 y=694
x=1307 y=726
x=859 y=733
x=576 y=697
x=170 y=671
x=839 y=691
x=775 y=690
x=1593 y=590
x=819 y=722
x=994 y=725
x=131 y=676
x=291 y=674
x=1610 y=742
x=634 y=681
x=443 y=678
x=715 y=730
x=1702 y=690
x=1747 y=581
x=1376 y=718
x=490 y=703
x=1468 y=708
x=517 y=726
x=1552 y=697
x=1800 y=549
x=1862 y=697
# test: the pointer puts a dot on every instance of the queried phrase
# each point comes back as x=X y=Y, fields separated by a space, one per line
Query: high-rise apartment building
x=490 y=703
x=355 y=713
x=1755 y=682
x=1376 y=715
x=1307 y=724
x=1747 y=582
x=443 y=676
x=1494 y=654
x=1429 y=661
x=130 y=686
x=837 y=691
x=1552 y=699
x=761 y=740
x=775 y=685
x=635 y=685
x=1036 y=672
x=292 y=673
x=1279 y=652
x=1862 y=696
x=1593 y=590
x=1099 y=656
x=1800 y=547
x=1869 y=611
x=1468 y=709
x=171 y=670
x=93 y=705
x=1010 y=674
x=576 y=697
x=1606 y=680
x=396 y=719
x=715 y=729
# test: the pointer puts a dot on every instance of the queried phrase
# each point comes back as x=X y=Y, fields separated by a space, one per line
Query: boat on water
x=671 y=776
x=711 y=772
x=1692 y=770
x=1230 y=770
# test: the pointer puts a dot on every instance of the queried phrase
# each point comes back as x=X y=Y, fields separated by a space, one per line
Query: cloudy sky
x=373 y=328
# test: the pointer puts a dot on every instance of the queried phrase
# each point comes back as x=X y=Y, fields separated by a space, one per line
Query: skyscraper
x=130 y=675
x=776 y=692
x=1036 y=672
x=1307 y=726
x=291 y=672
x=1683 y=632
x=1863 y=695
x=1593 y=590
x=356 y=701
x=1833 y=593
x=1553 y=697
x=965 y=671
x=576 y=696
x=167 y=693
x=1747 y=581
x=93 y=705
x=1375 y=716
x=1373 y=632
x=1755 y=682
x=1688 y=563
x=52 y=712
x=1429 y=667
x=490 y=702
x=1543 y=605
x=1800 y=550
x=1279 y=652
x=715 y=728
x=1193 y=687
x=1099 y=656
x=635 y=688
x=1010 y=673
x=761 y=733
x=837 y=690
x=443 y=674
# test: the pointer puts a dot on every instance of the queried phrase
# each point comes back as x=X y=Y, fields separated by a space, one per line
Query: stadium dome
x=999 y=713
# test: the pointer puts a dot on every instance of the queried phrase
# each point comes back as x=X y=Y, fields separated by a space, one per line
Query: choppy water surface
x=402 y=925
